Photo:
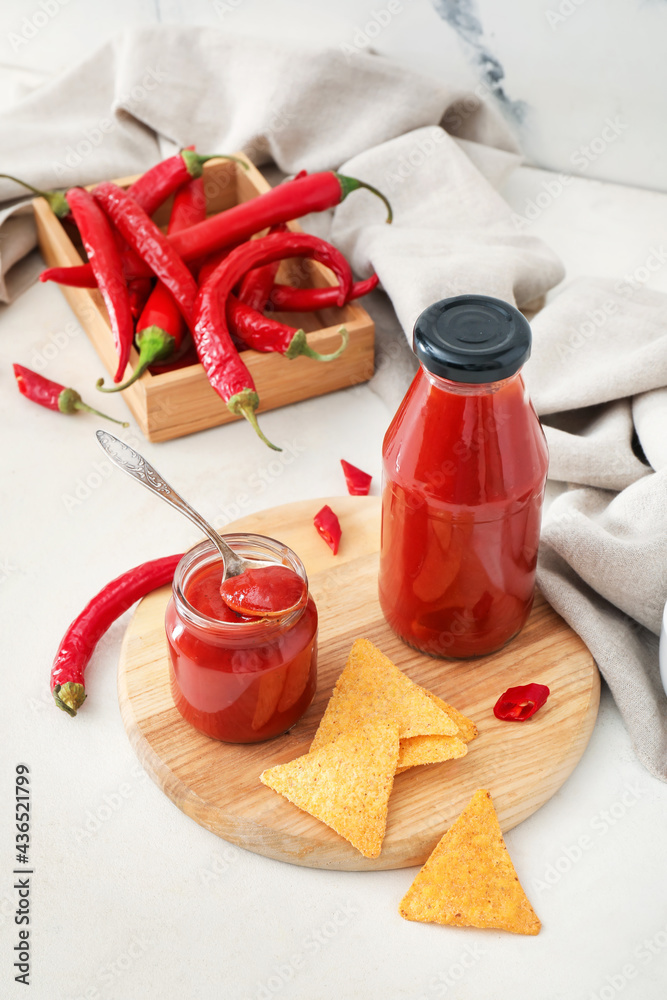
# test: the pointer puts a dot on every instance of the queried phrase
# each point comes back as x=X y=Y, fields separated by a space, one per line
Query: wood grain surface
x=217 y=784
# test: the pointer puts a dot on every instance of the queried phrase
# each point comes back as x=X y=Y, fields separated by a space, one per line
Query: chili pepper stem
x=69 y=697
x=69 y=401
x=244 y=404
x=194 y=161
x=352 y=184
x=299 y=345
x=155 y=344
x=56 y=199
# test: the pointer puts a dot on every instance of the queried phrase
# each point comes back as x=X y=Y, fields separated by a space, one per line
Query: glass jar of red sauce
x=464 y=469
x=241 y=681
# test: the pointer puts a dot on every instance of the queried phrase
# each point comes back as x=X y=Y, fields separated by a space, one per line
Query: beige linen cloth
x=439 y=154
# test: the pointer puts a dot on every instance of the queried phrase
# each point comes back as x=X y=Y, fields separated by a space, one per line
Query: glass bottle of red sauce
x=465 y=464
x=239 y=680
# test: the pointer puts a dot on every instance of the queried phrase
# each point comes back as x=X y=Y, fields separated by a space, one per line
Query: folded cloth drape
x=301 y=109
x=597 y=376
x=598 y=371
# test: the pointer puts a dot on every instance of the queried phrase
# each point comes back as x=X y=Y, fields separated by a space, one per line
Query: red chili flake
x=519 y=703
x=358 y=482
x=328 y=526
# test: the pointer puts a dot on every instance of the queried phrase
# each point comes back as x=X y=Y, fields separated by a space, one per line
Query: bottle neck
x=469 y=388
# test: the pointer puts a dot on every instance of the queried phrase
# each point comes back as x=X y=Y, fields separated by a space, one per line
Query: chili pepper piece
x=328 y=526
x=520 y=703
x=358 y=482
x=80 y=639
x=56 y=199
x=287 y=298
x=54 y=396
x=105 y=259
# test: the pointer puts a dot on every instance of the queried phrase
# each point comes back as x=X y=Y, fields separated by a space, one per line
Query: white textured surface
x=132 y=900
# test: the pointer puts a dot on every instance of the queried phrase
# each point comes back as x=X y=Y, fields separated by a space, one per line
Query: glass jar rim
x=205 y=552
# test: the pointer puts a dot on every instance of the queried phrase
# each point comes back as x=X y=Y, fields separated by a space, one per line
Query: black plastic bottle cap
x=472 y=338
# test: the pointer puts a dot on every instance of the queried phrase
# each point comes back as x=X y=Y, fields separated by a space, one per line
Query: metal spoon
x=135 y=465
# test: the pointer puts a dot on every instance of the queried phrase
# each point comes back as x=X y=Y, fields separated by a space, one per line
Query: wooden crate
x=172 y=404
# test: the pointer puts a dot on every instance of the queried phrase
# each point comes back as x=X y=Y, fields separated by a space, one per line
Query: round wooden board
x=217 y=784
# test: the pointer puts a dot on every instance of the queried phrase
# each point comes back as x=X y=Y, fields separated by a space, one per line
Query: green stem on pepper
x=154 y=345
x=56 y=199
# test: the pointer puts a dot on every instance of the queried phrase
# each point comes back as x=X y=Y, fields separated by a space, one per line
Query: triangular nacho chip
x=467 y=730
x=417 y=750
x=469 y=879
x=346 y=784
x=372 y=687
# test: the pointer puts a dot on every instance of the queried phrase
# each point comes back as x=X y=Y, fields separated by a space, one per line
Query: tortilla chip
x=372 y=687
x=469 y=879
x=417 y=750
x=467 y=730
x=346 y=784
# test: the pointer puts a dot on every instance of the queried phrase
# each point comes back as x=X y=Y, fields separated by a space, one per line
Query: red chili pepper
x=268 y=336
x=358 y=482
x=139 y=290
x=287 y=298
x=205 y=267
x=80 y=276
x=52 y=395
x=226 y=371
x=144 y=236
x=189 y=205
x=257 y=284
x=105 y=260
x=519 y=703
x=313 y=193
x=155 y=185
x=161 y=327
x=80 y=639
x=329 y=527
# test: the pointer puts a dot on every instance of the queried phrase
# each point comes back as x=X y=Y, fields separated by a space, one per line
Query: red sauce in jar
x=269 y=590
x=237 y=678
x=464 y=474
